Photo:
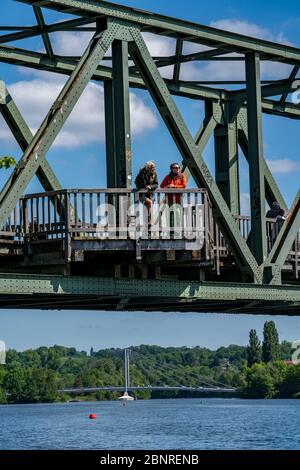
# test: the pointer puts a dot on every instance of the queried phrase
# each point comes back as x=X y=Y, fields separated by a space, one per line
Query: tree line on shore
x=257 y=370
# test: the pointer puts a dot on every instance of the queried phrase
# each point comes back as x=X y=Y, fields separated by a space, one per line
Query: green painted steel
x=227 y=162
x=111 y=165
x=175 y=27
x=55 y=119
x=76 y=285
x=23 y=136
x=41 y=22
x=284 y=241
x=190 y=155
x=121 y=112
x=258 y=238
x=232 y=116
x=272 y=190
x=66 y=66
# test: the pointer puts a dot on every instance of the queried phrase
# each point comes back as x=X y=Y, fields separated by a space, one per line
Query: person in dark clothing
x=273 y=228
x=147 y=179
x=275 y=211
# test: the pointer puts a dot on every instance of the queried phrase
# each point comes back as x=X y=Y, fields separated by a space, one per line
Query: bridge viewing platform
x=109 y=233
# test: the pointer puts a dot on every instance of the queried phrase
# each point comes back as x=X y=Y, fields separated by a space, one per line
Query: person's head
x=275 y=205
x=175 y=168
x=150 y=166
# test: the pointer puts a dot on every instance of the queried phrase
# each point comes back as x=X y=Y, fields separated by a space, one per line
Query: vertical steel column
x=111 y=171
x=227 y=165
x=121 y=114
x=255 y=156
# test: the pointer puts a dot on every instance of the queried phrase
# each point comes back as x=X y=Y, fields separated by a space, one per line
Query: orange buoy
x=93 y=416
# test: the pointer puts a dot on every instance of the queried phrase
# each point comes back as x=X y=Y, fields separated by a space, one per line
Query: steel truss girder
x=56 y=117
x=23 y=136
x=165 y=291
x=66 y=66
x=188 y=149
x=175 y=28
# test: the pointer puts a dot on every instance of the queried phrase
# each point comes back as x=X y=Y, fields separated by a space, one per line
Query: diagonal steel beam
x=56 y=117
x=174 y=27
x=272 y=190
x=178 y=54
x=291 y=78
x=23 y=136
x=32 y=31
x=284 y=240
x=188 y=149
x=203 y=135
x=46 y=39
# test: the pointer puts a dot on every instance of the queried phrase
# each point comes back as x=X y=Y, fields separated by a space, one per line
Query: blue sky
x=78 y=157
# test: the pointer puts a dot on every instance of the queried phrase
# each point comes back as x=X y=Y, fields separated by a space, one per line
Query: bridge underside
x=92 y=293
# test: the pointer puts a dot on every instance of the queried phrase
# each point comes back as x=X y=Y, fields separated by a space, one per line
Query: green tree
x=254 y=349
x=2 y=384
x=6 y=162
x=259 y=381
x=15 y=383
x=270 y=347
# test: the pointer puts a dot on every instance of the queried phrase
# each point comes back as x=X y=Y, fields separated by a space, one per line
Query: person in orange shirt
x=175 y=180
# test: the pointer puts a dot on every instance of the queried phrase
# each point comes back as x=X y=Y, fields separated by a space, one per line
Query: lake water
x=153 y=424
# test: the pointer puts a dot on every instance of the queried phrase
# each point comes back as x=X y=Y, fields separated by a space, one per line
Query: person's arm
x=154 y=185
x=139 y=181
x=164 y=182
x=183 y=181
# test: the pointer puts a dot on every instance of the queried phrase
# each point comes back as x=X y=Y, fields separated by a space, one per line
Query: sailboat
x=125 y=398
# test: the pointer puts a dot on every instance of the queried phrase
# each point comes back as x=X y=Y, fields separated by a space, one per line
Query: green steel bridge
x=65 y=248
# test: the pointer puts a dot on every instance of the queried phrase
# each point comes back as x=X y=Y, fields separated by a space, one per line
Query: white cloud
x=245 y=203
x=236 y=70
x=74 y=43
x=86 y=123
x=283 y=166
x=69 y=43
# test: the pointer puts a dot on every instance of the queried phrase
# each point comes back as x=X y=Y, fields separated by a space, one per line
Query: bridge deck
x=109 y=233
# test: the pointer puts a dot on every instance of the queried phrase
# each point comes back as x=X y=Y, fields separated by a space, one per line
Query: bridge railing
x=120 y=214
x=11 y=232
x=117 y=214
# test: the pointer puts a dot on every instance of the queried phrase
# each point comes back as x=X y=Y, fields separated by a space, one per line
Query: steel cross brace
x=186 y=145
x=66 y=65
x=205 y=131
x=23 y=136
x=56 y=117
x=175 y=27
x=284 y=241
x=273 y=192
